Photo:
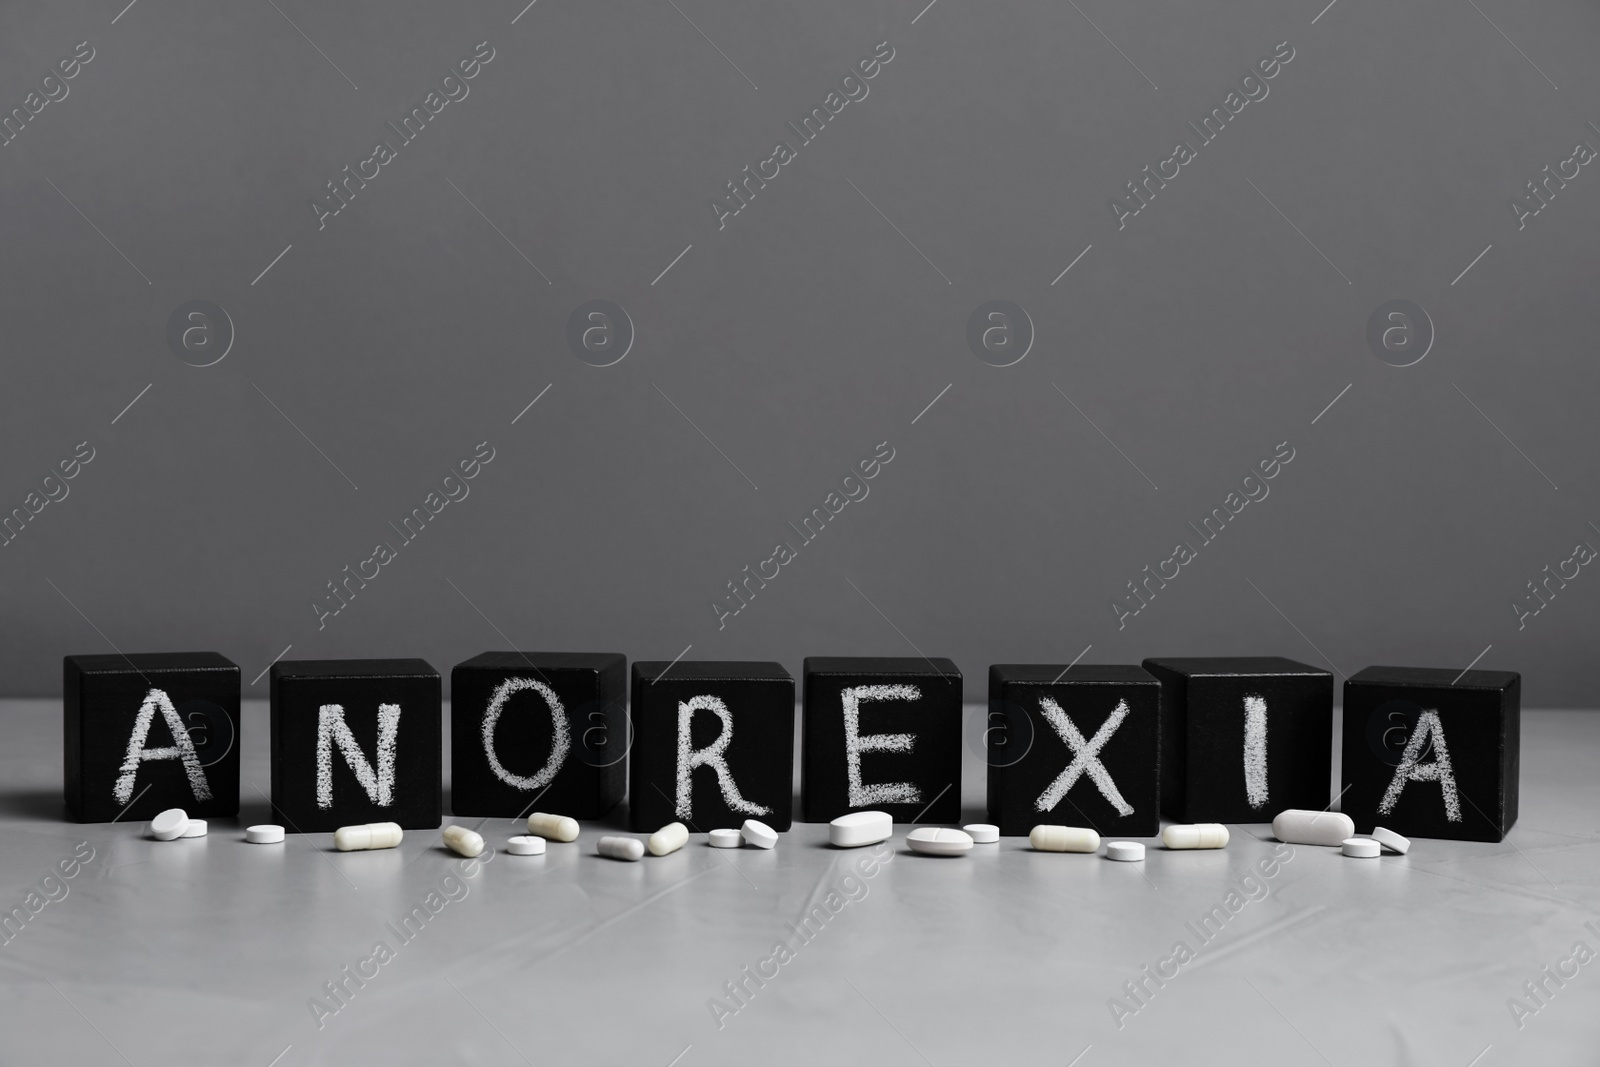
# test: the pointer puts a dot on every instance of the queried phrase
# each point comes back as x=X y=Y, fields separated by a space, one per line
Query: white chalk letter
x=332 y=730
x=863 y=796
x=1255 y=751
x=559 y=745
x=690 y=757
x=1085 y=757
x=181 y=749
x=1410 y=770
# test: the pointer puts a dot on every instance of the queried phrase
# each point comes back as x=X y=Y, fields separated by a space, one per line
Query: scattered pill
x=939 y=841
x=670 y=838
x=758 y=834
x=621 y=848
x=525 y=846
x=724 y=839
x=1126 y=851
x=264 y=834
x=1391 y=840
x=169 y=825
x=1363 y=848
x=982 y=833
x=1298 y=826
x=1199 y=835
x=196 y=828
x=1063 y=839
x=860 y=828
x=553 y=827
x=463 y=842
x=368 y=835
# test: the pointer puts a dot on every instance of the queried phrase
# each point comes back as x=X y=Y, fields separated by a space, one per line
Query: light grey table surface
x=210 y=951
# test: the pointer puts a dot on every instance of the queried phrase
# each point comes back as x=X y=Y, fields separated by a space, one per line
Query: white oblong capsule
x=525 y=846
x=367 y=835
x=621 y=848
x=1391 y=840
x=860 y=828
x=1046 y=838
x=939 y=841
x=264 y=834
x=758 y=834
x=1126 y=851
x=1361 y=848
x=1300 y=826
x=196 y=828
x=1197 y=835
x=982 y=833
x=553 y=827
x=169 y=825
x=724 y=839
x=463 y=842
x=670 y=838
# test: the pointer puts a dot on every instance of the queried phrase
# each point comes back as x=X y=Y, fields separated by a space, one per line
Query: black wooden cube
x=1078 y=747
x=881 y=734
x=148 y=732
x=355 y=741
x=538 y=728
x=1432 y=753
x=1243 y=738
x=713 y=745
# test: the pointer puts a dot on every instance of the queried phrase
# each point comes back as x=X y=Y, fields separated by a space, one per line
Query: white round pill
x=939 y=841
x=1364 y=848
x=264 y=834
x=1126 y=851
x=1391 y=840
x=724 y=839
x=982 y=833
x=860 y=828
x=196 y=828
x=526 y=845
x=169 y=825
x=758 y=834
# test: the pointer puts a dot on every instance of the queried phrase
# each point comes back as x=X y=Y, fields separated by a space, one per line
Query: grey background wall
x=373 y=352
